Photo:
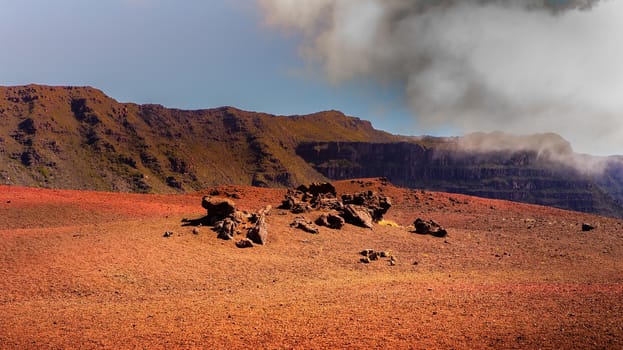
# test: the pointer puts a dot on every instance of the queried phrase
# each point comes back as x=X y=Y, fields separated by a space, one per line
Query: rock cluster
x=360 y=209
x=228 y=222
x=429 y=227
x=370 y=255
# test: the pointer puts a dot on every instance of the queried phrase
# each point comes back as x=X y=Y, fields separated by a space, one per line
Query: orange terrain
x=92 y=270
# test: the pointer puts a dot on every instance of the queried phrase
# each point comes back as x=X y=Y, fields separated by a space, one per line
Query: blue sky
x=187 y=54
x=489 y=63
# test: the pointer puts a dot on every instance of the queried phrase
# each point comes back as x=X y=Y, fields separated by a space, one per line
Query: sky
x=367 y=58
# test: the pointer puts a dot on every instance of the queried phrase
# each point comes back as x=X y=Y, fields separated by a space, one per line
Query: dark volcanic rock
x=378 y=205
x=357 y=215
x=316 y=189
x=361 y=209
x=218 y=208
x=587 y=227
x=429 y=227
x=367 y=252
x=330 y=220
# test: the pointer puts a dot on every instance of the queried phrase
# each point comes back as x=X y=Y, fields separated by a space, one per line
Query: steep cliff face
x=518 y=176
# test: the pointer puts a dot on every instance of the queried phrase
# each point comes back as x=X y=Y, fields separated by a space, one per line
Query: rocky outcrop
x=360 y=209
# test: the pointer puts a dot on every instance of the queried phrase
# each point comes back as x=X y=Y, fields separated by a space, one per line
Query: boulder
x=218 y=208
x=429 y=227
x=302 y=223
x=377 y=204
x=316 y=189
x=587 y=227
x=330 y=220
x=258 y=233
x=244 y=243
x=357 y=215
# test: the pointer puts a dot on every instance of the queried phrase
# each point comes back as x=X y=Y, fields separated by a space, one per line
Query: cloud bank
x=521 y=66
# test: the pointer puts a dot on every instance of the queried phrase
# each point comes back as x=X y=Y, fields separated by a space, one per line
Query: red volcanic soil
x=93 y=270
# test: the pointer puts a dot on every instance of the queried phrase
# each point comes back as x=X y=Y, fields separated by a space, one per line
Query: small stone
x=168 y=234
x=367 y=252
x=587 y=227
x=365 y=260
x=244 y=243
x=195 y=231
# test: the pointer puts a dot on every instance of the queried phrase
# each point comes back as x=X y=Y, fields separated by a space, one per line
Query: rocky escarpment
x=521 y=176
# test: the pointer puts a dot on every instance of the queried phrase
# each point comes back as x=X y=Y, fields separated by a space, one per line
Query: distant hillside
x=79 y=138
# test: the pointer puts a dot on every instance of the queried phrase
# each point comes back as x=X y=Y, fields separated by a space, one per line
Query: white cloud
x=518 y=66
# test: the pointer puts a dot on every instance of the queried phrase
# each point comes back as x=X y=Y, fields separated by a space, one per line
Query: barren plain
x=88 y=270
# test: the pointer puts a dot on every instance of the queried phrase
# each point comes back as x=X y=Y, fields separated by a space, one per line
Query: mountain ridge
x=80 y=138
